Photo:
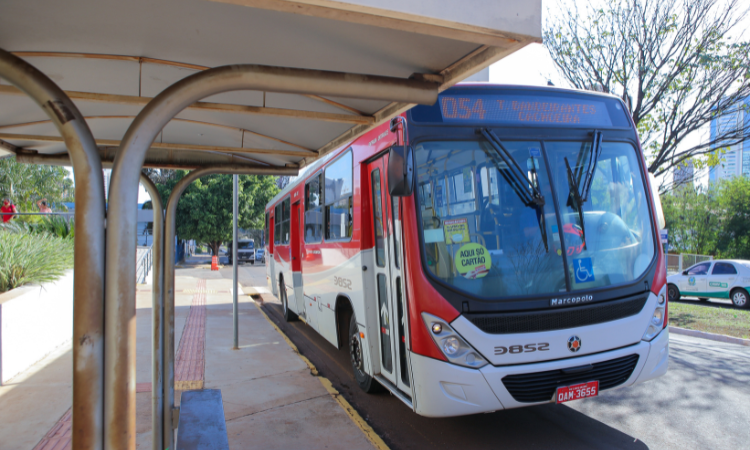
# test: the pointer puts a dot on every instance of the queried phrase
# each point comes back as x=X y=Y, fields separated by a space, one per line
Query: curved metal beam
x=119 y=381
x=157 y=316
x=88 y=284
x=169 y=279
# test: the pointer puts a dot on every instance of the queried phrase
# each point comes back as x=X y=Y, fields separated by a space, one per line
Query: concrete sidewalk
x=272 y=397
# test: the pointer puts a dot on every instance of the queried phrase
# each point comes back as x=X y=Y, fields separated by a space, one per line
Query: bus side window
x=338 y=198
x=314 y=210
x=277 y=224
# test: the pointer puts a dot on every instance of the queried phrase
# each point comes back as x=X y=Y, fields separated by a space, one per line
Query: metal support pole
x=157 y=318
x=169 y=278
x=88 y=278
x=235 y=263
x=119 y=382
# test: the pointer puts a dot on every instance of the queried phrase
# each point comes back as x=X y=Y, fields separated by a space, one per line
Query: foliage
x=32 y=258
x=204 y=212
x=691 y=219
x=673 y=62
x=24 y=184
x=55 y=226
x=58 y=226
x=710 y=222
x=733 y=238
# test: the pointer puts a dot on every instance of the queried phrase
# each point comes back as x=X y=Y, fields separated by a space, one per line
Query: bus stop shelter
x=214 y=86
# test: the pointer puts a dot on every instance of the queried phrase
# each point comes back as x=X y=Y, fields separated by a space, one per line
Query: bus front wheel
x=365 y=381
x=289 y=316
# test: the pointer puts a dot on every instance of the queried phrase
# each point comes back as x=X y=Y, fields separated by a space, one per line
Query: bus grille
x=541 y=386
x=558 y=319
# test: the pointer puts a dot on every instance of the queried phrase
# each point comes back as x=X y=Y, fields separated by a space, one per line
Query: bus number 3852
x=528 y=348
x=343 y=282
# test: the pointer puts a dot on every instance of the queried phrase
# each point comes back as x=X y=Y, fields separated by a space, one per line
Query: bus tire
x=740 y=298
x=289 y=316
x=365 y=381
x=673 y=292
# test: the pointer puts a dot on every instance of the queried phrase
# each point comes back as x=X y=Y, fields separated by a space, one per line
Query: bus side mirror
x=657 y=202
x=400 y=171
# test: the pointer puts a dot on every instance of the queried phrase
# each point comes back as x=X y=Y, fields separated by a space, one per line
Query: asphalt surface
x=702 y=402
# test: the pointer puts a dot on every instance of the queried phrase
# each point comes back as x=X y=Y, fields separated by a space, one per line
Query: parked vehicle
x=245 y=251
x=260 y=255
x=726 y=279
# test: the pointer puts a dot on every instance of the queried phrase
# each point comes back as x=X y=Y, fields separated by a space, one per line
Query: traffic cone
x=215 y=263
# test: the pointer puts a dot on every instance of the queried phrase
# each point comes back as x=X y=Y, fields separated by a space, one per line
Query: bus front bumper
x=442 y=389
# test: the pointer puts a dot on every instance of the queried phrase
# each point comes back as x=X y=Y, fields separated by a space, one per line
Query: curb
x=710 y=336
x=366 y=429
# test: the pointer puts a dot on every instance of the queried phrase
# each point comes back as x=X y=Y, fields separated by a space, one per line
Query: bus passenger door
x=388 y=289
x=295 y=263
x=271 y=276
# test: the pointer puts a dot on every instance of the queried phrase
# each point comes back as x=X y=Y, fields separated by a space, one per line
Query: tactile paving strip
x=189 y=369
x=190 y=359
x=60 y=436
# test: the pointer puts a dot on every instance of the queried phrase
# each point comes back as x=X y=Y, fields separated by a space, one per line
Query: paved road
x=702 y=402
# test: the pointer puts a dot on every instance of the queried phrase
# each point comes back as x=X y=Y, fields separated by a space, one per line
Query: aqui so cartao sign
x=473 y=261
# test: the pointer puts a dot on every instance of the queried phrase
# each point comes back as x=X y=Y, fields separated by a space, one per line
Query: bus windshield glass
x=498 y=222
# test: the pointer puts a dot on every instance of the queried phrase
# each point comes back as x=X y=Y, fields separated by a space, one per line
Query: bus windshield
x=498 y=222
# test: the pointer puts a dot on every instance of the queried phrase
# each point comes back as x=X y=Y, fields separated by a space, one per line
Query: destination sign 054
x=524 y=109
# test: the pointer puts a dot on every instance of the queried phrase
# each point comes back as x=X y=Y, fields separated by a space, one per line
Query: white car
x=729 y=279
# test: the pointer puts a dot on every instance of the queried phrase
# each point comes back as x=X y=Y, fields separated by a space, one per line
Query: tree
x=733 y=237
x=24 y=184
x=713 y=222
x=204 y=212
x=693 y=219
x=673 y=62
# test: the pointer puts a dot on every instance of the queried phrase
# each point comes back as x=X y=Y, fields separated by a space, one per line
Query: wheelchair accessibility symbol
x=584 y=270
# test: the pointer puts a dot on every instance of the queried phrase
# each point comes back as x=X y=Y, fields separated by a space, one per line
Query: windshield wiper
x=526 y=190
x=579 y=194
x=574 y=199
x=596 y=149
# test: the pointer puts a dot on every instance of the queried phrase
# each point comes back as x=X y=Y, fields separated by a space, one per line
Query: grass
x=727 y=321
x=27 y=258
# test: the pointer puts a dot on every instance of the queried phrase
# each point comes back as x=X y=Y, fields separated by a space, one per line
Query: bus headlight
x=451 y=344
x=656 y=324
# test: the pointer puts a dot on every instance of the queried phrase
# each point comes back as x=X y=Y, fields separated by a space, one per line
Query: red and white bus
x=495 y=250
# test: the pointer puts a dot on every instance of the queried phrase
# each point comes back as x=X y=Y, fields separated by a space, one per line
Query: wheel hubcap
x=355 y=352
x=739 y=299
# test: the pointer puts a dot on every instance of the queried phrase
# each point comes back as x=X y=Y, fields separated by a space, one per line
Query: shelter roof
x=113 y=56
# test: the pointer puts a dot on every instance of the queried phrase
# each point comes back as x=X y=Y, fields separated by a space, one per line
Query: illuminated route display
x=517 y=109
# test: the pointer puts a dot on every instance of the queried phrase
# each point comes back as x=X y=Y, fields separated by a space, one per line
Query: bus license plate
x=578 y=391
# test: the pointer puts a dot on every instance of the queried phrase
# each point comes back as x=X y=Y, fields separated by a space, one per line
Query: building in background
x=736 y=159
x=684 y=175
